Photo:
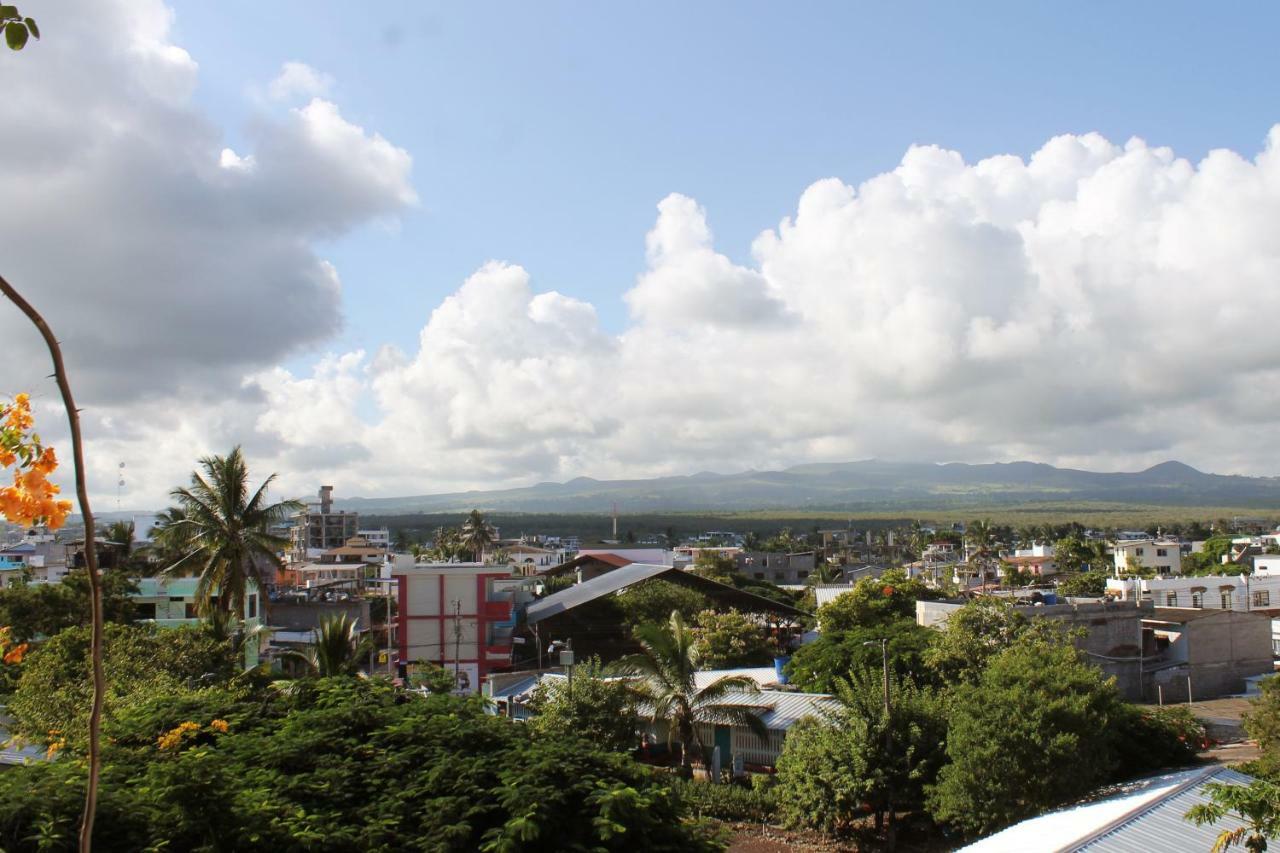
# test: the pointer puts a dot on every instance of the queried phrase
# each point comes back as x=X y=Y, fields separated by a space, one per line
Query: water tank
x=778 y=666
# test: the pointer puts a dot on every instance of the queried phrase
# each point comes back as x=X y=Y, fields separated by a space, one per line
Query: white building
x=377 y=537
x=1163 y=555
x=1214 y=592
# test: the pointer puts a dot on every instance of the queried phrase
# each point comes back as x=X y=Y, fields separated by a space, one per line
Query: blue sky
x=1024 y=285
x=545 y=133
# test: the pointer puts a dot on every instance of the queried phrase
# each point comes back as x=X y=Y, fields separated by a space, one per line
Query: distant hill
x=866 y=485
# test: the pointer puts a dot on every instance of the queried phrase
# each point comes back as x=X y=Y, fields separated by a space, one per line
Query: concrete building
x=1206 y=653
x=776 y=567
x=318 y=528
x=1212 y=592
x=530 y=560
x=1162 y=555
x=172 y=603
x=1039 y=565
x=459 y=616
x=37 y=558
x=377 y=537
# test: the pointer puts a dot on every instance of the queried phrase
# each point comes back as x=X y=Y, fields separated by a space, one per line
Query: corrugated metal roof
x=578 y=594
x=765 y=676
x=1137 y=817
x=829 y=592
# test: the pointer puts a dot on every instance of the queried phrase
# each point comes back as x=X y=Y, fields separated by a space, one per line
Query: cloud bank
x=1097 y=304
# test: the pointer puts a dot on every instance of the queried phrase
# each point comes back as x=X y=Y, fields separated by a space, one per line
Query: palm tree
x=666 y=666
x=337 y=648
x=824 y=573
x=477 y=534
x=224 y=627
x=227 y=532
x=980 y=539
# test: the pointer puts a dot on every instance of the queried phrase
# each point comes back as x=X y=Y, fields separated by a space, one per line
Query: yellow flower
x=219 y=726
x=173 y=738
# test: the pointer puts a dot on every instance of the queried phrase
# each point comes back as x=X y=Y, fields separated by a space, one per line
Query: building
x=318 y=528
x=460 y=616
x=777 y=568
x=172 y=603
x=377 y=537
x=1214 y=592
x=352 y=562
x=530 y=560
x=1162 y=555
x=1202 y=654
x=778 y=710
x=1143 y=815
x=1039 y=565
x=37 y=558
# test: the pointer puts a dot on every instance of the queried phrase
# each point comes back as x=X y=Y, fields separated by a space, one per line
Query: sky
x=436 y=247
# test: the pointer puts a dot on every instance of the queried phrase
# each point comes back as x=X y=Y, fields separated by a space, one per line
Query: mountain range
x=865 y=485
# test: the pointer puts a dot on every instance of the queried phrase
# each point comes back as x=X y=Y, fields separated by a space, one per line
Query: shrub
x=754 y=804
x=1149 y=739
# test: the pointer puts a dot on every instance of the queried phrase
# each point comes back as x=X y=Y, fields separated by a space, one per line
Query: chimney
x=326 y=499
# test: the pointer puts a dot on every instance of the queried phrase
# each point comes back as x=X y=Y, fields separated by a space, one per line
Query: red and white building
x=459 y=616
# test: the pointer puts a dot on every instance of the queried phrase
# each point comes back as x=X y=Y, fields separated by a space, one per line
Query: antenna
x=119 y=484
x=615 y=521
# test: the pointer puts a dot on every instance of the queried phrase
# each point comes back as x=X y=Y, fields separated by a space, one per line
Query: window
x=1197 y=599
x=802 y=575
x=1140 y=551
x=1170 y=599
x=1162 y=552
x=1226 y=599
x=759 y=576
x=1262 y=599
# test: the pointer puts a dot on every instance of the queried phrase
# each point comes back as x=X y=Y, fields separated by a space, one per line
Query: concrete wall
x=307 y=615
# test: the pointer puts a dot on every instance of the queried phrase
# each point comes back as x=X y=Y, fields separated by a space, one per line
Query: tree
x=51 y=700
x=1262 y=724
x=858 y=756
x=229 y=532
x=980 y=540
x=874 y=601
x=1257 y=804
x=730 y=639
x=336 y=648
x=973 y=635
x=347 y=764
x=665 y=666
x=1084 y=584
x=477 y=534
x=1037 y=708
x=653 y=601
x=599 y=710
x=36 y=611
x=714 y=565
x=818 y=666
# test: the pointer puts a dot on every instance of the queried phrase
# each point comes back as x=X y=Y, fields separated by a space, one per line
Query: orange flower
x=219 y=726
x=14 y=656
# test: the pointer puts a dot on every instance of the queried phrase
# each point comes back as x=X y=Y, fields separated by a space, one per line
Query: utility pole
x=457 y=638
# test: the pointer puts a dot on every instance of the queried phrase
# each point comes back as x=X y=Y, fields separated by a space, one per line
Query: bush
x=344 y=764
x=1149 y=739
x=754 y=804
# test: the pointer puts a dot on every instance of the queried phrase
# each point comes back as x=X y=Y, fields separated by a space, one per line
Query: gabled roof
x=1137 y=817
x=630 y=575
x=583 y=559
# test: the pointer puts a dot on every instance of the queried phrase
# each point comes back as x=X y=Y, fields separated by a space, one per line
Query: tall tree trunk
x=90 y=559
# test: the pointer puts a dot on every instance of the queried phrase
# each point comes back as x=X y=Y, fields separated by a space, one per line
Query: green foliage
x=1038 y=708
x=874 y=601
x=228 y=530
x=972 y=636
x=600 y=711
x=33 y=611
x=832 y=771
x=715 y=565
x=53 y=695
x=1084 y=584
x=665 y=669
x=733 y=802
x=336 y=648
x=346 y=764
x=477 y=534
x=17 y=29
x=730 y=639
x=1262 y=724
x=651 y=603
x=1072 y=554
x=1257 y=804
x=435 y=678
x=1150 y=739
x=834 y=655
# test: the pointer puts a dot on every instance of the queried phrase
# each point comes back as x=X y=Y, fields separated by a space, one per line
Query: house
x=1204 y=653
x=37 y=558
x=778 y=710
x=318 y=528
x=530 y=559
x=353 y=561
x=1162 y=555
x=1214 y=592
x=587 y=566
x=1039 y=565
x=459 y=615
x=659 y=556
x=172 y=603
x=777 y=568
x=1143 y=815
